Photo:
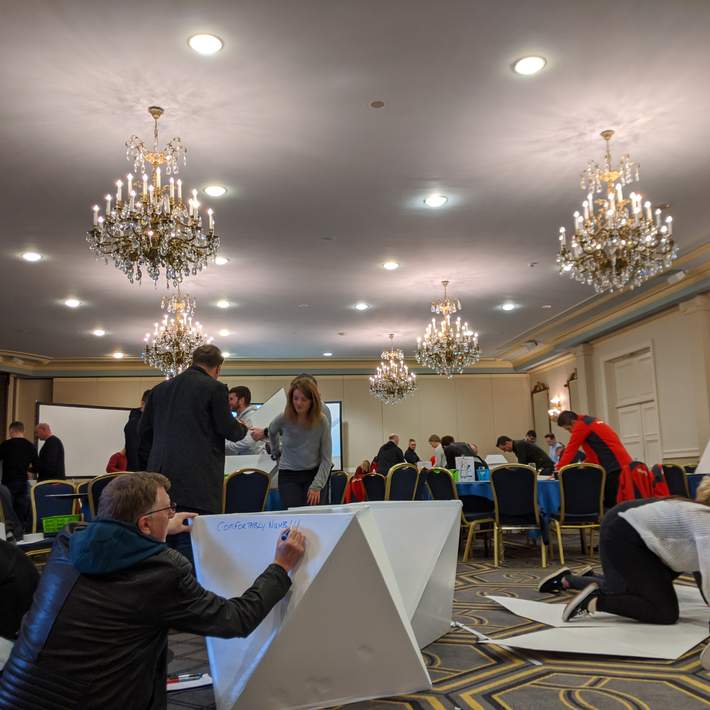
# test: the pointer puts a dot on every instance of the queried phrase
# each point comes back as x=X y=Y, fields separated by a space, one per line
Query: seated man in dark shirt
x=528 y=454
x=18 y=455
x=96 y=634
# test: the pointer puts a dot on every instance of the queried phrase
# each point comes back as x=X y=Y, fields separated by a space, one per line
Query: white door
x=631 y=430
x=636 y=410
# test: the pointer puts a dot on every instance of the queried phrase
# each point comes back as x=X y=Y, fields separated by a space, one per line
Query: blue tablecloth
x=548 y=493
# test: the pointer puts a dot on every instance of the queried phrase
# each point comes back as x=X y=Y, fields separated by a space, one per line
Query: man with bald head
x=51 y=455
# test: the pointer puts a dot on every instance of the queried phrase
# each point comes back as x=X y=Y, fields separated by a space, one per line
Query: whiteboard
x=90 y=435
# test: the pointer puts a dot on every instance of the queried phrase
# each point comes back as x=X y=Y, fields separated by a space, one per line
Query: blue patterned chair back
x=336 y=487
x=582 y=493
x=374 y=486
x=515 y=494
x=44 y=507
x=245 y=491
x=96 y=488
x=675 y=478
x=402 y=482
x=441 y=484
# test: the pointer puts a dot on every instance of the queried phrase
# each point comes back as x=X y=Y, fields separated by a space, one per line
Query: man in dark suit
x=51 y=455
x=132 y=440
x=389 y=455
x=184 y=424
x=527 y=453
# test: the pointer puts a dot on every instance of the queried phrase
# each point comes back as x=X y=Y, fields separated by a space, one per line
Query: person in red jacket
x=601 y=445
x=118 y=462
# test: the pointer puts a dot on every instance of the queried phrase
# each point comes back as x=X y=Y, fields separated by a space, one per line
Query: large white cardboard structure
x=607 y=634
x=342 y=633
x=421 y=539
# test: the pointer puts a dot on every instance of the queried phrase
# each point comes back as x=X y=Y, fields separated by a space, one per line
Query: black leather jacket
x=99 y=641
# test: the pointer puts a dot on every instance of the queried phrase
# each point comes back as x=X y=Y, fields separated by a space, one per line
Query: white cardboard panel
x=421 y=541
x=344 y=604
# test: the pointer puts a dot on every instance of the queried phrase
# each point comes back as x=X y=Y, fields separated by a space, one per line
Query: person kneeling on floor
x=644 y=545
x=96 y=634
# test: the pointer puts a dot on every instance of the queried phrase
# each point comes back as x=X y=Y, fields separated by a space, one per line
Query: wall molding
x=681 y=453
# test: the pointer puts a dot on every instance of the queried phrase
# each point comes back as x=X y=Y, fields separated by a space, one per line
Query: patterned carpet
x=468 y=675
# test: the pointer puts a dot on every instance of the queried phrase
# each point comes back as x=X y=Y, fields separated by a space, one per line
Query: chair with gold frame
x=402 y=482
x=43 y=506
x=95 y=489
x=515 y=504
x=335 y=493
x=375 y=486
x=581 y=503
x=442 y=486
x=245 y=491
x=81 y=505
x=676 y=478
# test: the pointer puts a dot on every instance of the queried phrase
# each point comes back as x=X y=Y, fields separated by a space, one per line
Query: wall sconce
x=556 y=408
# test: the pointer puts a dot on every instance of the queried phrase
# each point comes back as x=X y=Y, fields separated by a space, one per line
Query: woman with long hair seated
x=300 y=437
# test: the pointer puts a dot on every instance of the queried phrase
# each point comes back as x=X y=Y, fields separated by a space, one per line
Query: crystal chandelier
x=170 y=347
x=150 y=227
x=392 y=382
x=447 y=348
x=617 y=241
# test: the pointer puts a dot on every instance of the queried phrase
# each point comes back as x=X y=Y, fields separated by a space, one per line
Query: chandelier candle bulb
x=210 y=214
x=129 y=183
x=619 y=193
x=157 y=178
x=172 y=189
x=119 y=185
x=179 y=189
x=108 y=205
x=95 y=209
x=145 y=185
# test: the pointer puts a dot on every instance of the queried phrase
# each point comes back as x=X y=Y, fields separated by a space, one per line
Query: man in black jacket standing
x=389 y=455
x=18 y=455
x=51 y=455
x=184 y=424
x=96 y=635
x=131 y=437
x=527 y=453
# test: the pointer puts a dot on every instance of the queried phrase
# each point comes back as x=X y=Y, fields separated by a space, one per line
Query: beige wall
x=679 y=339
x=24 y=395
x=476 y=408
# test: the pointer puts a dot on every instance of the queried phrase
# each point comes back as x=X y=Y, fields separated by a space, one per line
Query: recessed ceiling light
x=507 y=306
x=361 y=306
x=221 y=260
x=529 y=65
x=99 y=332
x=391 y=265
x=205 y=44
x=327 y=354
x=215 y=190
x=224 y=332
x=224 y=303
x=435 y=200
x=118 y=355
x=72 y=303
x=31 y=256
x=547 y=306
x=226 y=354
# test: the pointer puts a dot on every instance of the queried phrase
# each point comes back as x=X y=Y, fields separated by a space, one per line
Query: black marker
x=284 y=535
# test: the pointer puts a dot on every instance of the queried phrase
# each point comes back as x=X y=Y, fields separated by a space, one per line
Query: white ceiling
x=323 y=188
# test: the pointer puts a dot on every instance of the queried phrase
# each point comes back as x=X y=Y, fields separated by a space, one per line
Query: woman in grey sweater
x=300 y=437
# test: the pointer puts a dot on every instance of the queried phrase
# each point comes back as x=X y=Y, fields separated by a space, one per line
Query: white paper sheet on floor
x=609 y=635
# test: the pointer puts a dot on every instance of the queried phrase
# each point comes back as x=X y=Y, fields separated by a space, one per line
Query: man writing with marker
x=96 y=634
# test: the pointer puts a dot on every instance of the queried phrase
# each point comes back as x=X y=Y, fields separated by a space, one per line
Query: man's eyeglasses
x=172 y=508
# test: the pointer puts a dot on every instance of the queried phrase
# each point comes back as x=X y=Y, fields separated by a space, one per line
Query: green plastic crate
x=54 y=523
